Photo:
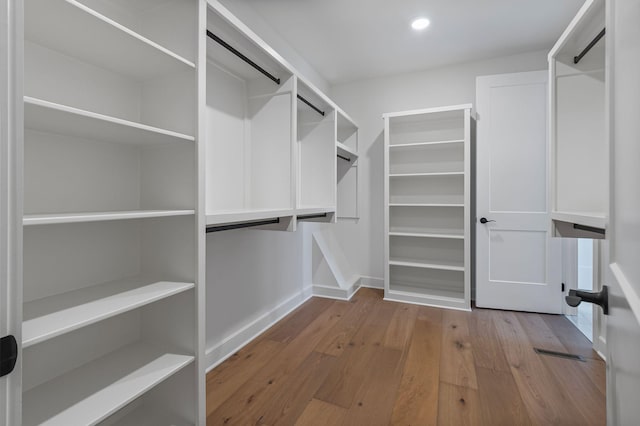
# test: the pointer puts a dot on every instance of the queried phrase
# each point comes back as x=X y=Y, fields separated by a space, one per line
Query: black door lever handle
x=484 y=220
x=600 y=298
x=8 y=354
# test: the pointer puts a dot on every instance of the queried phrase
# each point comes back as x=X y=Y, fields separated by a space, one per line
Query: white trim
x=329 y=292
x=219 y=352
x=372 y=282
x=633 y=298
x=428 y=110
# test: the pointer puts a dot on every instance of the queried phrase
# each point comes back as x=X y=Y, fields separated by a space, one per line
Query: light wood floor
x=370 y=362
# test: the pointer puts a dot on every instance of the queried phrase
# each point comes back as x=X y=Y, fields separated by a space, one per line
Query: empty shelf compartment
x=427 y=282
x=55 y=315
x=96 y=390
x=438 y=158
x=428 y=127
x=426 y=252
x=427 y=220
x=448 y=189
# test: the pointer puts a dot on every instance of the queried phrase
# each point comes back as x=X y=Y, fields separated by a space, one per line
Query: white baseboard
x=371 y=282
x=219 y=352
x=335 y=292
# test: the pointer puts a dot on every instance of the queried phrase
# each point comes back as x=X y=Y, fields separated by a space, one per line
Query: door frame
x=570 y=278
x=11 y=199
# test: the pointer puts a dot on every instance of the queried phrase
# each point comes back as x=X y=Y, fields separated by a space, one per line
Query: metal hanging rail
x=243 y=57
x=586 y=50
x=312 y=216
x=589 y=229
x=344 y=158
x=241 y=225
x=315 y=108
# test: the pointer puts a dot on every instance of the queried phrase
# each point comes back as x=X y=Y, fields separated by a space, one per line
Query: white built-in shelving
x=427 y=206
x=98 y=389
x=579 y=169
x=50 y=117
x=274 y=140
x=112 y=223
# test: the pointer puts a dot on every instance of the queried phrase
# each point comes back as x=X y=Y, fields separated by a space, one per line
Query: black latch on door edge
x=8 y=354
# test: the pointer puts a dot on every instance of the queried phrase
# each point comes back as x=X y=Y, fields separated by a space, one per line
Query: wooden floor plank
x=417 y=399
x=291 y=396
x=342 y=332
x=358 y=358
x=293 y=324
x=500 y=401
x=546 y=403
x=408 y=367
x=320 y=413
x=401 y=327
x=487 y=352
x=260 y=387
x=575 y=343
x=570 y=374
x=457 y=365
x=372 y=403
x=227 y=378
x=458 y=406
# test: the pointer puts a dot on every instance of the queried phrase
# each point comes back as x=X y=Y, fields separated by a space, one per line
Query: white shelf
x=91 y=393
x=55 y=218
x=237 y=216
x=314 y=210
x=345 y=151
x=431 y=234
x=424 y=205
x=435 y=293
x=51 y=117
x=445 y=266
x=56 y=315
x=400 y=175
x=423 y=144
x=78 y=31
x=596 y=220
x=151 y=416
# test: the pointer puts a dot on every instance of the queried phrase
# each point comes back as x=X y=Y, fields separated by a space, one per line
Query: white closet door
x=623 y=321
x=10 y=202
x=518 y=263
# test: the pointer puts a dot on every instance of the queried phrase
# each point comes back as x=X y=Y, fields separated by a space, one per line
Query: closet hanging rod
x=243 y=57
x=315 y=108
x=344 y=158
x=241 y=225
x=589 y=229
x=586 y=50
x=312 y=216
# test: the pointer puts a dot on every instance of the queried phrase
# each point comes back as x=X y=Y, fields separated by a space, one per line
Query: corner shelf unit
x=112 y=285
x=273 y=138
x=427 y=206
x=578 y=120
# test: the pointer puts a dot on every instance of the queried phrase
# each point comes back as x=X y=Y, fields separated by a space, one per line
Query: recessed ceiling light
x=420 y=24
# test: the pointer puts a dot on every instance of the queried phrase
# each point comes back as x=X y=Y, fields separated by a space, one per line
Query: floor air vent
x=559 y=354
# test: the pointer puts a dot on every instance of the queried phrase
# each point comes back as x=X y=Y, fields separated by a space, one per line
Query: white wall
x=253 y=278
x=366 y=100
x=248 y=15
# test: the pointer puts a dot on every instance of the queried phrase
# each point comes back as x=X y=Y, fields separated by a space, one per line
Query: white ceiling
x=346 y=40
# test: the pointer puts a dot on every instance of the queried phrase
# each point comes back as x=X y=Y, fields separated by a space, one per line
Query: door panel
x=623 y=327
x=518 y=264
x=11 y=130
